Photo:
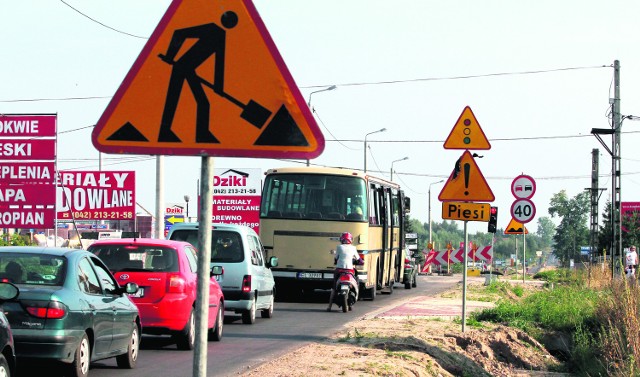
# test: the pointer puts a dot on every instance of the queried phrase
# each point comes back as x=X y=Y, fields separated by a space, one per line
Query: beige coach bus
x=305 y=210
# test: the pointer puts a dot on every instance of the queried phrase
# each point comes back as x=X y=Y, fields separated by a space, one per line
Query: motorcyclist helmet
x=346 y=237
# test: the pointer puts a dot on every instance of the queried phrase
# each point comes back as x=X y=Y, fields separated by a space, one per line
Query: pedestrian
x=631 y=260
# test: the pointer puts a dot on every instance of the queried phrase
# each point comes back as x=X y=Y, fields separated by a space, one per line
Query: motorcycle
x=346 y=290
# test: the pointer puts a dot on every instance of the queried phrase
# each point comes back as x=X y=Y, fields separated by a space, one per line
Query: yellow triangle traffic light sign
x=466 y=182
x=467 y=133
x=210 y=81
x=515 y=227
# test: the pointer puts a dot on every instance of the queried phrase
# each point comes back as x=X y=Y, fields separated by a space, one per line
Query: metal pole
x=464 y=277
x=617 y=192
x=204 y=247
x=159 y=197
x=524 y=253
x=365 y=153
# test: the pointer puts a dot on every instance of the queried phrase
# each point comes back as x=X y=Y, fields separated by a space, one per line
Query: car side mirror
x=216 y=271
x=273 y=262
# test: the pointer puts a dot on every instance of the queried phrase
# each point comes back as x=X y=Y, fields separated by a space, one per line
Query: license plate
x=344 y=287
x=139 y=293
x=310 y=275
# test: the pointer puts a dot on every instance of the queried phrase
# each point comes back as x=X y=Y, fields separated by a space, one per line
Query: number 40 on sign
x=523 y=210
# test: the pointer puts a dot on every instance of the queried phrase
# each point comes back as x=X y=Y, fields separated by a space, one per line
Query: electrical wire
x=328 y=130
x=104 y=25
x=459 y=77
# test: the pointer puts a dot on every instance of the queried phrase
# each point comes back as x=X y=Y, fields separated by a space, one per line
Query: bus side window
x=374 y=218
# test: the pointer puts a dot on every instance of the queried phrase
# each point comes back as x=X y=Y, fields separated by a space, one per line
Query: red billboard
x=96 y=195
x=27 y=195
x=27 y=172
x=236 y=197
x=42 y=125
x=39 y=218
x=27 y=149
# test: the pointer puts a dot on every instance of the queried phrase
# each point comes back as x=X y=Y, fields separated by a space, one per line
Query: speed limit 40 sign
x=523 y=210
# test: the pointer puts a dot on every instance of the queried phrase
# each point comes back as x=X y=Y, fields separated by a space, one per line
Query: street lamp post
x=365 y=146
x=392 y=162
x=430 y=184
x=186 y=199
x=332 y=87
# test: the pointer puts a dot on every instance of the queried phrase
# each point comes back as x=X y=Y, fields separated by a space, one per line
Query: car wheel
x=268 y=313
x=186 y=339
x=129 y=359
x=216 y=332
x=415 y=281
x=5 y=371
x=80 y=365
x=249 y=316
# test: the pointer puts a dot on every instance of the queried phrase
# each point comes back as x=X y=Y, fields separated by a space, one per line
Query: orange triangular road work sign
x=467 y=133
x=210 y=81
x=515 y=227
x=466 y=182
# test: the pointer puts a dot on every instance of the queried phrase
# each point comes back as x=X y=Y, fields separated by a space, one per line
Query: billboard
x=27 y=169
x=627 y=210
x=236 y=197
x=96 y=195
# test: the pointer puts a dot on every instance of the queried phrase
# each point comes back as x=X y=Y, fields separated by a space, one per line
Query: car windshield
x=226 y=246
x=140 y=258
x=35 y=269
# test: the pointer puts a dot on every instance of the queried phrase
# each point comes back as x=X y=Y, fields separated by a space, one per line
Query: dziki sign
x=27 y=168
x=236 y=197
x=96 y=195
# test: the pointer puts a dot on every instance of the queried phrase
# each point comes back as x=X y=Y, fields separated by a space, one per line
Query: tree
x=604 y=233
x=546 y=230
x=572 y=231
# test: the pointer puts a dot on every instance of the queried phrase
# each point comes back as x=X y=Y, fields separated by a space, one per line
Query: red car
x=166 y=272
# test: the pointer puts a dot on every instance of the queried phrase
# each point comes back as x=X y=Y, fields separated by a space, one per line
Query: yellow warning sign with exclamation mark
x=467 y=133
x=466 y=182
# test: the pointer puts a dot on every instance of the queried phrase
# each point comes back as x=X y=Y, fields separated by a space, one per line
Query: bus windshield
x=314 y=196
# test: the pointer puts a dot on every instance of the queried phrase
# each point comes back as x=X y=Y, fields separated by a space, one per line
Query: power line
x=351 y=84
x=460 y=77
x=104 y=25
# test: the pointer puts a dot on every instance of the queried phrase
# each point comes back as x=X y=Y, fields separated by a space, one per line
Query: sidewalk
x=438 y=307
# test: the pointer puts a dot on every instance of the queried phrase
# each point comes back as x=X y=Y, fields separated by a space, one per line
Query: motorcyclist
x=345 y=256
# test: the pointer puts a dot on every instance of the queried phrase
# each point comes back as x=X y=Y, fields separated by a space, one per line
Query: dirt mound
x=417 y=347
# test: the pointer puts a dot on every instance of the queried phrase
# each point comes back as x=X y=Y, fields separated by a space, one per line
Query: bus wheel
x=371 y=293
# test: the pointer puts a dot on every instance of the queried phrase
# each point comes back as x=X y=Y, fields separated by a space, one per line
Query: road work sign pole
x=464 y=277
x=204 y=257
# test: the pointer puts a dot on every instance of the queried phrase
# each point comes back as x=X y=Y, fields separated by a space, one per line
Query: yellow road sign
x=467 y=133
x=466 y=183
x=515 y=227
x=466 y=211
x=210 y=81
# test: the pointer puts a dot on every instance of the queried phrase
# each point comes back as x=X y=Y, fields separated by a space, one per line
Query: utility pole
x=617 y=190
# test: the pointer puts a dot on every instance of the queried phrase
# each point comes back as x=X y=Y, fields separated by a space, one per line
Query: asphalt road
x=244 y=347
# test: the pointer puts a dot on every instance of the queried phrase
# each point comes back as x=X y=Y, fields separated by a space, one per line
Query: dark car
x=8 y=292
x=166 y=273
x=70 y=308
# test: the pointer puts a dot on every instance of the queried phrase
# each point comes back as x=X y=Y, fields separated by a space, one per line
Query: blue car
x=69 y=308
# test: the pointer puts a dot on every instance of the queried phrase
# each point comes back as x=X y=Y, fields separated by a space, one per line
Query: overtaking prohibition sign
x=523 y=210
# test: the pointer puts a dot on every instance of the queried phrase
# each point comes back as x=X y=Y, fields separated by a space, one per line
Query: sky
x=537 y=75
